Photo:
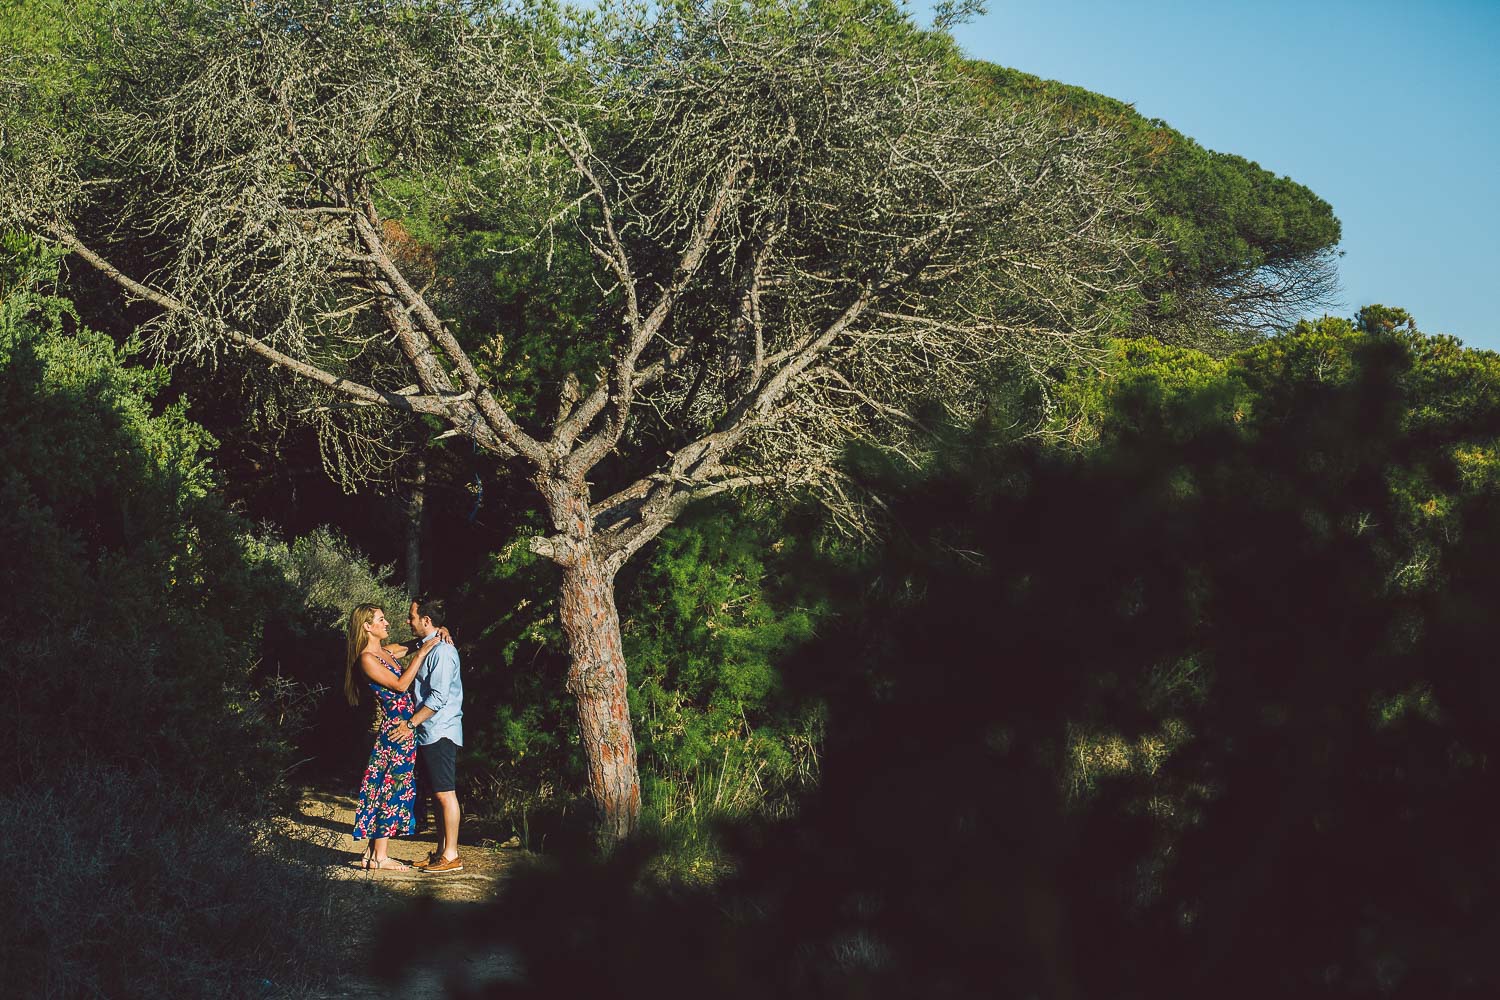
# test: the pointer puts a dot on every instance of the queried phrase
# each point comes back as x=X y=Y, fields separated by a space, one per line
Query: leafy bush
x=715 y=605
x=324 y=576
x=319 y=578
x=149 y=763
x=1205 y=707
x=720 y=604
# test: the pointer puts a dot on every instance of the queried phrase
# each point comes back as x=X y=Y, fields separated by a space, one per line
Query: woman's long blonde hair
x=358 y=619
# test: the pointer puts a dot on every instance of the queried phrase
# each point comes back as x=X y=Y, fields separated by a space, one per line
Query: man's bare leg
x=447 y=823
x=437 y=828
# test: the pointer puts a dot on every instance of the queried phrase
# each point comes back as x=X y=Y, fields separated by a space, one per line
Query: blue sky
x=1389 y=111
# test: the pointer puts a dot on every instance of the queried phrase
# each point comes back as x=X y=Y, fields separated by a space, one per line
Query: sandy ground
x=380 y=907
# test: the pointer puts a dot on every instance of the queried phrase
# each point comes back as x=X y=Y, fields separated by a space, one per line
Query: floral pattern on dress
x=388 y=793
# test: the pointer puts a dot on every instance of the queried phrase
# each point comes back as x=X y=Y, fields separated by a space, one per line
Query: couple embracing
x=421 y=721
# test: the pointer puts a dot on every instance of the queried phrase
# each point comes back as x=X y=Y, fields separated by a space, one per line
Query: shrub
x=323 y=577
x=147 y=768
x=127 y=884
x=319 y=577
x=720 y=600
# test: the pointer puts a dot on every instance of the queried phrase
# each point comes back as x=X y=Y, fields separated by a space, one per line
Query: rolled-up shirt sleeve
x=440 y=681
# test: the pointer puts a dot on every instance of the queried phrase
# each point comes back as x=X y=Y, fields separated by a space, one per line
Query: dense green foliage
x=1193 y=695
x=708 y=618
x=143 y=783
x=116 y=528
x=1222 y=218
x=1206 y=706
x=717 y=607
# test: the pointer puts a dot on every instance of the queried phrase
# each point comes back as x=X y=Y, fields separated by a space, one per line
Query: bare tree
x=1245 y=305
x=806 y=234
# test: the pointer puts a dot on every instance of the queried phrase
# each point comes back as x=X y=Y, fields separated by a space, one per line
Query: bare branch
x=621 y=386
x=799 y=229
x=419 y=352
x=436 y=405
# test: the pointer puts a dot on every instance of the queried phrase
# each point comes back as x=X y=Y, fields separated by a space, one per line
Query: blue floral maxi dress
x=388 y=794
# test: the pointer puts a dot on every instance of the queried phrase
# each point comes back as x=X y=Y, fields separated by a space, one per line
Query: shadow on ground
x=390 y=916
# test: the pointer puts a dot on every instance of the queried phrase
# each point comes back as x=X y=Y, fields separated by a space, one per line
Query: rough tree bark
x=597 y=677
x=597 y=680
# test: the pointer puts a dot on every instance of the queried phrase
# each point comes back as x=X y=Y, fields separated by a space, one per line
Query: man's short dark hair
x=430 y=607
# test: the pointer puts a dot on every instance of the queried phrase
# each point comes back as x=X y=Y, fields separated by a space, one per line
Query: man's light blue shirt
x=438 y=687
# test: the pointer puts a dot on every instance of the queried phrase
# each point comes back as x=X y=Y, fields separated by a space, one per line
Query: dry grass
x=123 y=887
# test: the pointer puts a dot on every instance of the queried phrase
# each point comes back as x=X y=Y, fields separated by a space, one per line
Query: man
x=437 y=726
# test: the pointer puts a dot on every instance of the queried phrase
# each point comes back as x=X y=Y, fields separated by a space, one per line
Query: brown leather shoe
x=427 y=862
x=441 y=867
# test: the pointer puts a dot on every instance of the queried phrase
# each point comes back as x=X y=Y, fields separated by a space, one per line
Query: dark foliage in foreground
x=1207 y=710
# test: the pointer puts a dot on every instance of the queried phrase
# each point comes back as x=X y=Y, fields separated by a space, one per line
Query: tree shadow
x=310 y=852
x=321 y=822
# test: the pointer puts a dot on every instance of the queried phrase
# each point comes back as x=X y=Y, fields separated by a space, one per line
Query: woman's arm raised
x=381 y=674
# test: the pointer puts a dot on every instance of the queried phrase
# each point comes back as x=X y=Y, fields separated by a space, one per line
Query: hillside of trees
x=911 y=528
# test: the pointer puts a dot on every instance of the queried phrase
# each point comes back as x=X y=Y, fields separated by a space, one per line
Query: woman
x=388 y=794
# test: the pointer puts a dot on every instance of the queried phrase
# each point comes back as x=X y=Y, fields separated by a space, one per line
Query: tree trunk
x=597 y=680
x=415 y=514
x=596 y=676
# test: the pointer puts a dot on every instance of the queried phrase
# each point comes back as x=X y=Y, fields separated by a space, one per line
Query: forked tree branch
x=621 y=386
x=499 y=421
x=440 y=404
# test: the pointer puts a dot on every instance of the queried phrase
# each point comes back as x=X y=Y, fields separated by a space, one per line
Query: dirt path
x=381 y=906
